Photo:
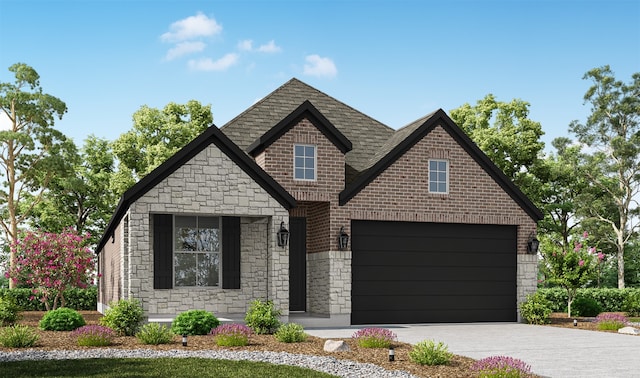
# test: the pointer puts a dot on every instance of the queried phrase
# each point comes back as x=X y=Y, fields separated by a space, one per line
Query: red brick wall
x=400 y=193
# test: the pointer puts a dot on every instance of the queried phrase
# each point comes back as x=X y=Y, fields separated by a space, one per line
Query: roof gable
x=408 y=136
x=308 y=111
x=212 y=135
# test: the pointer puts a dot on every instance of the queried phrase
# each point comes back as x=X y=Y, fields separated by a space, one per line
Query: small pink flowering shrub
x=374 y=337
x=94 y=335
x=611 y=322
x=231 y=334
x=501 y=367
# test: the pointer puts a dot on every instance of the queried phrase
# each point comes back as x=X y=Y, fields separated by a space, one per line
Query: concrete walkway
x=551 y=351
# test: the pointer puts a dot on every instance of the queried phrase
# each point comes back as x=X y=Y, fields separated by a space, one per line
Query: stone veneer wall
x=527 y=277
x=329 y=283
x=211 y=184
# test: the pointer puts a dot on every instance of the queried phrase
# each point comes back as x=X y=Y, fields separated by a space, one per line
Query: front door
x=297 y=264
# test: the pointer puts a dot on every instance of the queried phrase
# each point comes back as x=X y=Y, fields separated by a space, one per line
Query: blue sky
x=393 y=60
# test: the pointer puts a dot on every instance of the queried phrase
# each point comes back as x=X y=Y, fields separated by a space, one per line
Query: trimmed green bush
x=18 y=336
x=631 y=304
x=61 y=319
x=194 y=322
x=585 y=306
x=536 y=309
x=154 y=334
x=77 y=299
x=610 y=299
x=430 y=353
x=123 y=316
x=290 y=333
x=262 y=317
x=9 y=311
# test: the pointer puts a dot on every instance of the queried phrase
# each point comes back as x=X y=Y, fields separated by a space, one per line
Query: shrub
x=610 y=299
x=262 y=317
x=231 y=334
x=585 y=306
x=430 y=353
x=94 y=335
x=76 y=298
x=613 y=322
x=123 y=316
x=290 y=333
x=501 y=367
x=9 y=311
x=154 y=334
x=536 y=309
x=374 y=337
x=631 y=304
x=194 y=322
x=61 y=319
x=18 y=336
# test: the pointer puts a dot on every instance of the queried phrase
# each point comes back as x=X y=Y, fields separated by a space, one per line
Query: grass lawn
x=157 y=367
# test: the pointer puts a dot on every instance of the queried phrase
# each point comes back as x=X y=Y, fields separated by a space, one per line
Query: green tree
x=156 y=136
x=612 y=131
x=504 y=132
x=29 y=149
x=82 y=199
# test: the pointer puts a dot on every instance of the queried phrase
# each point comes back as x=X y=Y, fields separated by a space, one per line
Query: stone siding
x=211 y=184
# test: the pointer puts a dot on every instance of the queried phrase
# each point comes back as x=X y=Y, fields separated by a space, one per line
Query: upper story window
x=304 y=162
x=438 y=176
x=196 y=253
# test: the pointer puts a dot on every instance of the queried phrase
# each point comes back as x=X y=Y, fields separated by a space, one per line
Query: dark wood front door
x=297 y=264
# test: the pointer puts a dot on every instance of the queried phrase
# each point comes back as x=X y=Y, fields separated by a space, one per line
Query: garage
x=405 y=272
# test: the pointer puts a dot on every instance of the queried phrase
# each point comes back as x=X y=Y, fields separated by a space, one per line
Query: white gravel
x=340 y=368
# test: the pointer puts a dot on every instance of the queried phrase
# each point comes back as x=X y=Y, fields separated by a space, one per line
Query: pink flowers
x=94 y=335
x=501 y=366
x=374 y=337
x=231 y=334
x=581 y=263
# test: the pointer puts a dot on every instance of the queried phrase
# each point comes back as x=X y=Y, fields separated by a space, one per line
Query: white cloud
x=184 y=48
x=270 y=48
x=5 y=122
x=192 y=27
x=208 y=64
x=319 y=66
x=245 y=45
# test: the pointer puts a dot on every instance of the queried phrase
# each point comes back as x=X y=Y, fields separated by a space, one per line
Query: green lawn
x=156 y=367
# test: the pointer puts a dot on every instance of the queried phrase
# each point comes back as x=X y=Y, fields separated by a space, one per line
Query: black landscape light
x=533 y=244
x=392 y=354
x=283 y=236
x=184 y=340
x=343 y=239
x=575 y=322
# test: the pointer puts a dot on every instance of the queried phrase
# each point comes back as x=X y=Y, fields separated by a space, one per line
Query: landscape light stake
x=575 y=322
x=392 y=354
x=184 y=340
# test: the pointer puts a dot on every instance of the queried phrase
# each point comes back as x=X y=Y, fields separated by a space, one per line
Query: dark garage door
x=432 y=272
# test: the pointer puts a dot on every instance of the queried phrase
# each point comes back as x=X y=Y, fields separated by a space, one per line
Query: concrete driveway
x=551 y=351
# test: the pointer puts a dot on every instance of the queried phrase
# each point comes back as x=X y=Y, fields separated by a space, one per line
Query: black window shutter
x=230 y=252
x=162 y=251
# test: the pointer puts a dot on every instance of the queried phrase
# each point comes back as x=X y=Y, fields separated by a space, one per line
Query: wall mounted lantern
x=343 y=239
x=283 y=236
x=532 y=244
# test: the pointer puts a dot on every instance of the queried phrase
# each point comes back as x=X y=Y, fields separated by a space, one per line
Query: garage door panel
x=427 y=273
x=432 y=272
x=439 y=258
x=452 y=302
x=422 y=288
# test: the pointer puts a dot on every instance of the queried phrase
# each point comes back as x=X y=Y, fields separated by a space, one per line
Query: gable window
x=304 y=162
x=196 y=254
x=438 y=176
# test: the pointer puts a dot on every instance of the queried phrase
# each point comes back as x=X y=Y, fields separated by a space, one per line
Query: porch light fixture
x=532 y=244
x=184 y=340
x=283 y=236
x=343 y=239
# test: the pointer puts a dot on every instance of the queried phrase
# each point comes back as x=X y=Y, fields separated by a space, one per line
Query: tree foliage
x=81 y=199
x=612 y=132
x=156 y=136
x=51 y=263
x=30 y=149
x=504 y=132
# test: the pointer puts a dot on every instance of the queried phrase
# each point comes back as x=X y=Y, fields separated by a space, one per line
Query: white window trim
x=315 y=162
x=447 y=182
x=173 y=251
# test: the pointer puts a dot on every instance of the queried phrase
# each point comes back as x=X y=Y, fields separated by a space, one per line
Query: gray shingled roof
x=365 y=133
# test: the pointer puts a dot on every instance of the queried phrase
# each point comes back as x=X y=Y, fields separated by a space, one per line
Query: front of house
x=436 y=232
